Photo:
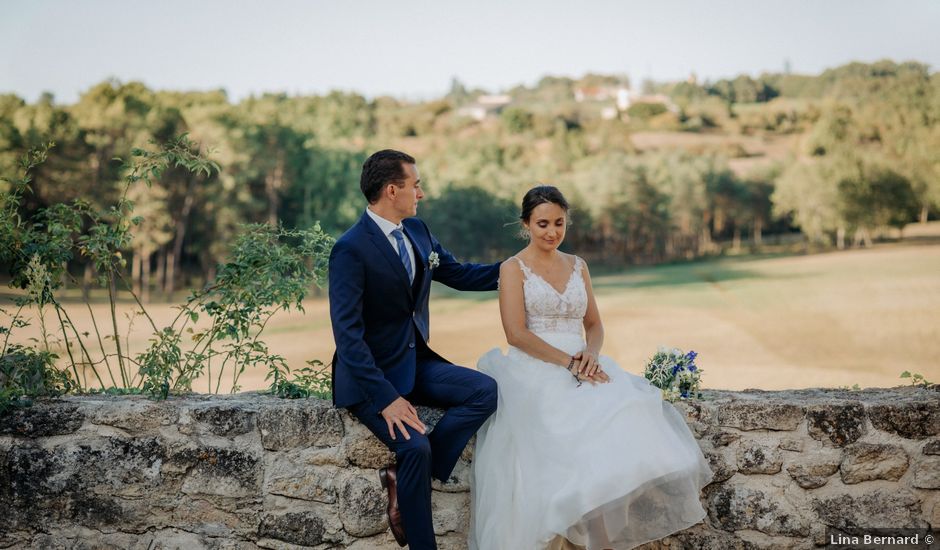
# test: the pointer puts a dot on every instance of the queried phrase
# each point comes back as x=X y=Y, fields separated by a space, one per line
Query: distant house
x=595 y=93
x=621 y=97
x=484 y=106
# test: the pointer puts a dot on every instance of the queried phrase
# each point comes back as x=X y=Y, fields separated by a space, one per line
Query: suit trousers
x=469 y=398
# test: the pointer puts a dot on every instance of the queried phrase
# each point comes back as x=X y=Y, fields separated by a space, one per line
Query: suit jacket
x=377 y=315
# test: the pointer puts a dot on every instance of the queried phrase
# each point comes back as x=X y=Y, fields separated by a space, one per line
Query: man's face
x=405 y=198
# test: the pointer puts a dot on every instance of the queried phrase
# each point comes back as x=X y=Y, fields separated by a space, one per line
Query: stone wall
x=251 y=471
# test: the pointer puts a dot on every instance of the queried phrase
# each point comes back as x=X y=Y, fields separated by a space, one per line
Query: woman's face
x=547 y=225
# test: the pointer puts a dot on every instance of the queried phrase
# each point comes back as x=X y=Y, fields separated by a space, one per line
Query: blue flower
x=692 y=368
x=691 y=355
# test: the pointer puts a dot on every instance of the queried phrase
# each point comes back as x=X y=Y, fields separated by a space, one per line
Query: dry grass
x=833 y=319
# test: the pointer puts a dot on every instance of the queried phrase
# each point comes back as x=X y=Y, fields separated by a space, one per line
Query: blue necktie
x=403 y=253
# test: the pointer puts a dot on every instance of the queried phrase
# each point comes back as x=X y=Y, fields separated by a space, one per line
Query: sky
x=412 y=49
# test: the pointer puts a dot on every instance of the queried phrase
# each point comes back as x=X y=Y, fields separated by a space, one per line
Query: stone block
x=211 y=516
x=363 y=449
x=721 y=467
x=289 y=475
x=303 y=528
x=837 y=423
x=814 y=472
x=760 y=415
x=699 y=536
x=450 y=512
x=134 y=414
x=896 y=508
x=723 y=438
x=459 y=480
x=932 y=447
x=734 y=507
x=913 y=419
x=791 y=444
x=870 y=461
x=758 y=459
x=42 y=419
x=298 y=423
x=383 y=541
x=927 y=473
x=225 y=472
x=226 y=420
x=363 y=505
x=93 y=482
x=699 y=415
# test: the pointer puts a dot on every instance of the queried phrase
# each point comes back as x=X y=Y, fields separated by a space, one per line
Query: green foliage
x=645 y=111
x=516 y=120
x=26 y=373
x=877 y=197
x=312 y=381
x=744 y=89
x=290 y=160
x=808 y=192
x=270 y=269
x=474 y=224
x=916 y=379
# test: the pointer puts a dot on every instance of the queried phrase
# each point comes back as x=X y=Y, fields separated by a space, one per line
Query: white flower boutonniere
x=433 y=260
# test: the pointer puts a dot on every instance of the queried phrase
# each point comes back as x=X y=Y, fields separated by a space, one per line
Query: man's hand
x=399 y=413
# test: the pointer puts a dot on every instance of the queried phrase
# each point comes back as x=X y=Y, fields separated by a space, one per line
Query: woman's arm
x=593 y=332
x=512 y=312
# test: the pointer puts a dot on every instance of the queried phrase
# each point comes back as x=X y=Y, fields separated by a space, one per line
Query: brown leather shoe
x=388 y=478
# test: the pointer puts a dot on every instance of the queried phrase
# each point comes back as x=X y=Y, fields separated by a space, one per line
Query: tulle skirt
x=605 y=466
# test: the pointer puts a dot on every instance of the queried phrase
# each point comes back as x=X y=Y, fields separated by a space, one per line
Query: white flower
x=433 y=260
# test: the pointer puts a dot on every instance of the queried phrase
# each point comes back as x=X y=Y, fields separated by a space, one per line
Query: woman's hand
x=588 y=368
x=587 y=363
x=600 y=377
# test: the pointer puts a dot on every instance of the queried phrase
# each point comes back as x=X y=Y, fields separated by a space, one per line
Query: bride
x=579 y=451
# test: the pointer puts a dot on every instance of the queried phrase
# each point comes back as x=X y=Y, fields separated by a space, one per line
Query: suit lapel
x=385 y=250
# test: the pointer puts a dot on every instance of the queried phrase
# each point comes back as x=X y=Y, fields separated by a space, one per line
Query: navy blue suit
x=381 y=328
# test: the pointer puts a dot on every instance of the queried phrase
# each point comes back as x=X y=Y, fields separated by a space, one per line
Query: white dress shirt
x=387 y=227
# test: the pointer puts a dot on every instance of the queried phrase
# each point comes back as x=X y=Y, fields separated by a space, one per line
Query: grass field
x=831 y=319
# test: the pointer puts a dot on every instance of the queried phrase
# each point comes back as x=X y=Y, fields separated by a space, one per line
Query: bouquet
x=675 y=373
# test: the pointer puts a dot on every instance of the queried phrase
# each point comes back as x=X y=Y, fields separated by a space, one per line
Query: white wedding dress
x=605 y=466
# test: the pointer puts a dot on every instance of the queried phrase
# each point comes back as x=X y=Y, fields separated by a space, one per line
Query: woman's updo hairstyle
x=541 y=194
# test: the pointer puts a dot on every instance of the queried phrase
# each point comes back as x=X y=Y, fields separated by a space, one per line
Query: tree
x=877 y=197
x=807 y=192
x=474 y=224
x=516 y=120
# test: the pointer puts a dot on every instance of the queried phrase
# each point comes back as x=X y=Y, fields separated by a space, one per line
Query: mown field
x=830 y=319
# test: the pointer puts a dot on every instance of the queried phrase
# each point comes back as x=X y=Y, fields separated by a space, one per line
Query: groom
x=380 y=276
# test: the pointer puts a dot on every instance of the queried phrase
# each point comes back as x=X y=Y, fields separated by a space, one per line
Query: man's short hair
x=380 y=169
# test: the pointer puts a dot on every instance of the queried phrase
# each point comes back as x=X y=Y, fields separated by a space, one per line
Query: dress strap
x=526 y=272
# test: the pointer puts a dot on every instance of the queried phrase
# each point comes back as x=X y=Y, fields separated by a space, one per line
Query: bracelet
x=571 y=364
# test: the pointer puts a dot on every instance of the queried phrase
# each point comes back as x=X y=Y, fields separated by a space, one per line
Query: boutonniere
x=433 y=260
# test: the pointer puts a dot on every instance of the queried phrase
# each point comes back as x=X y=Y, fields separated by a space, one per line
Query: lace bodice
x=547 y=310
